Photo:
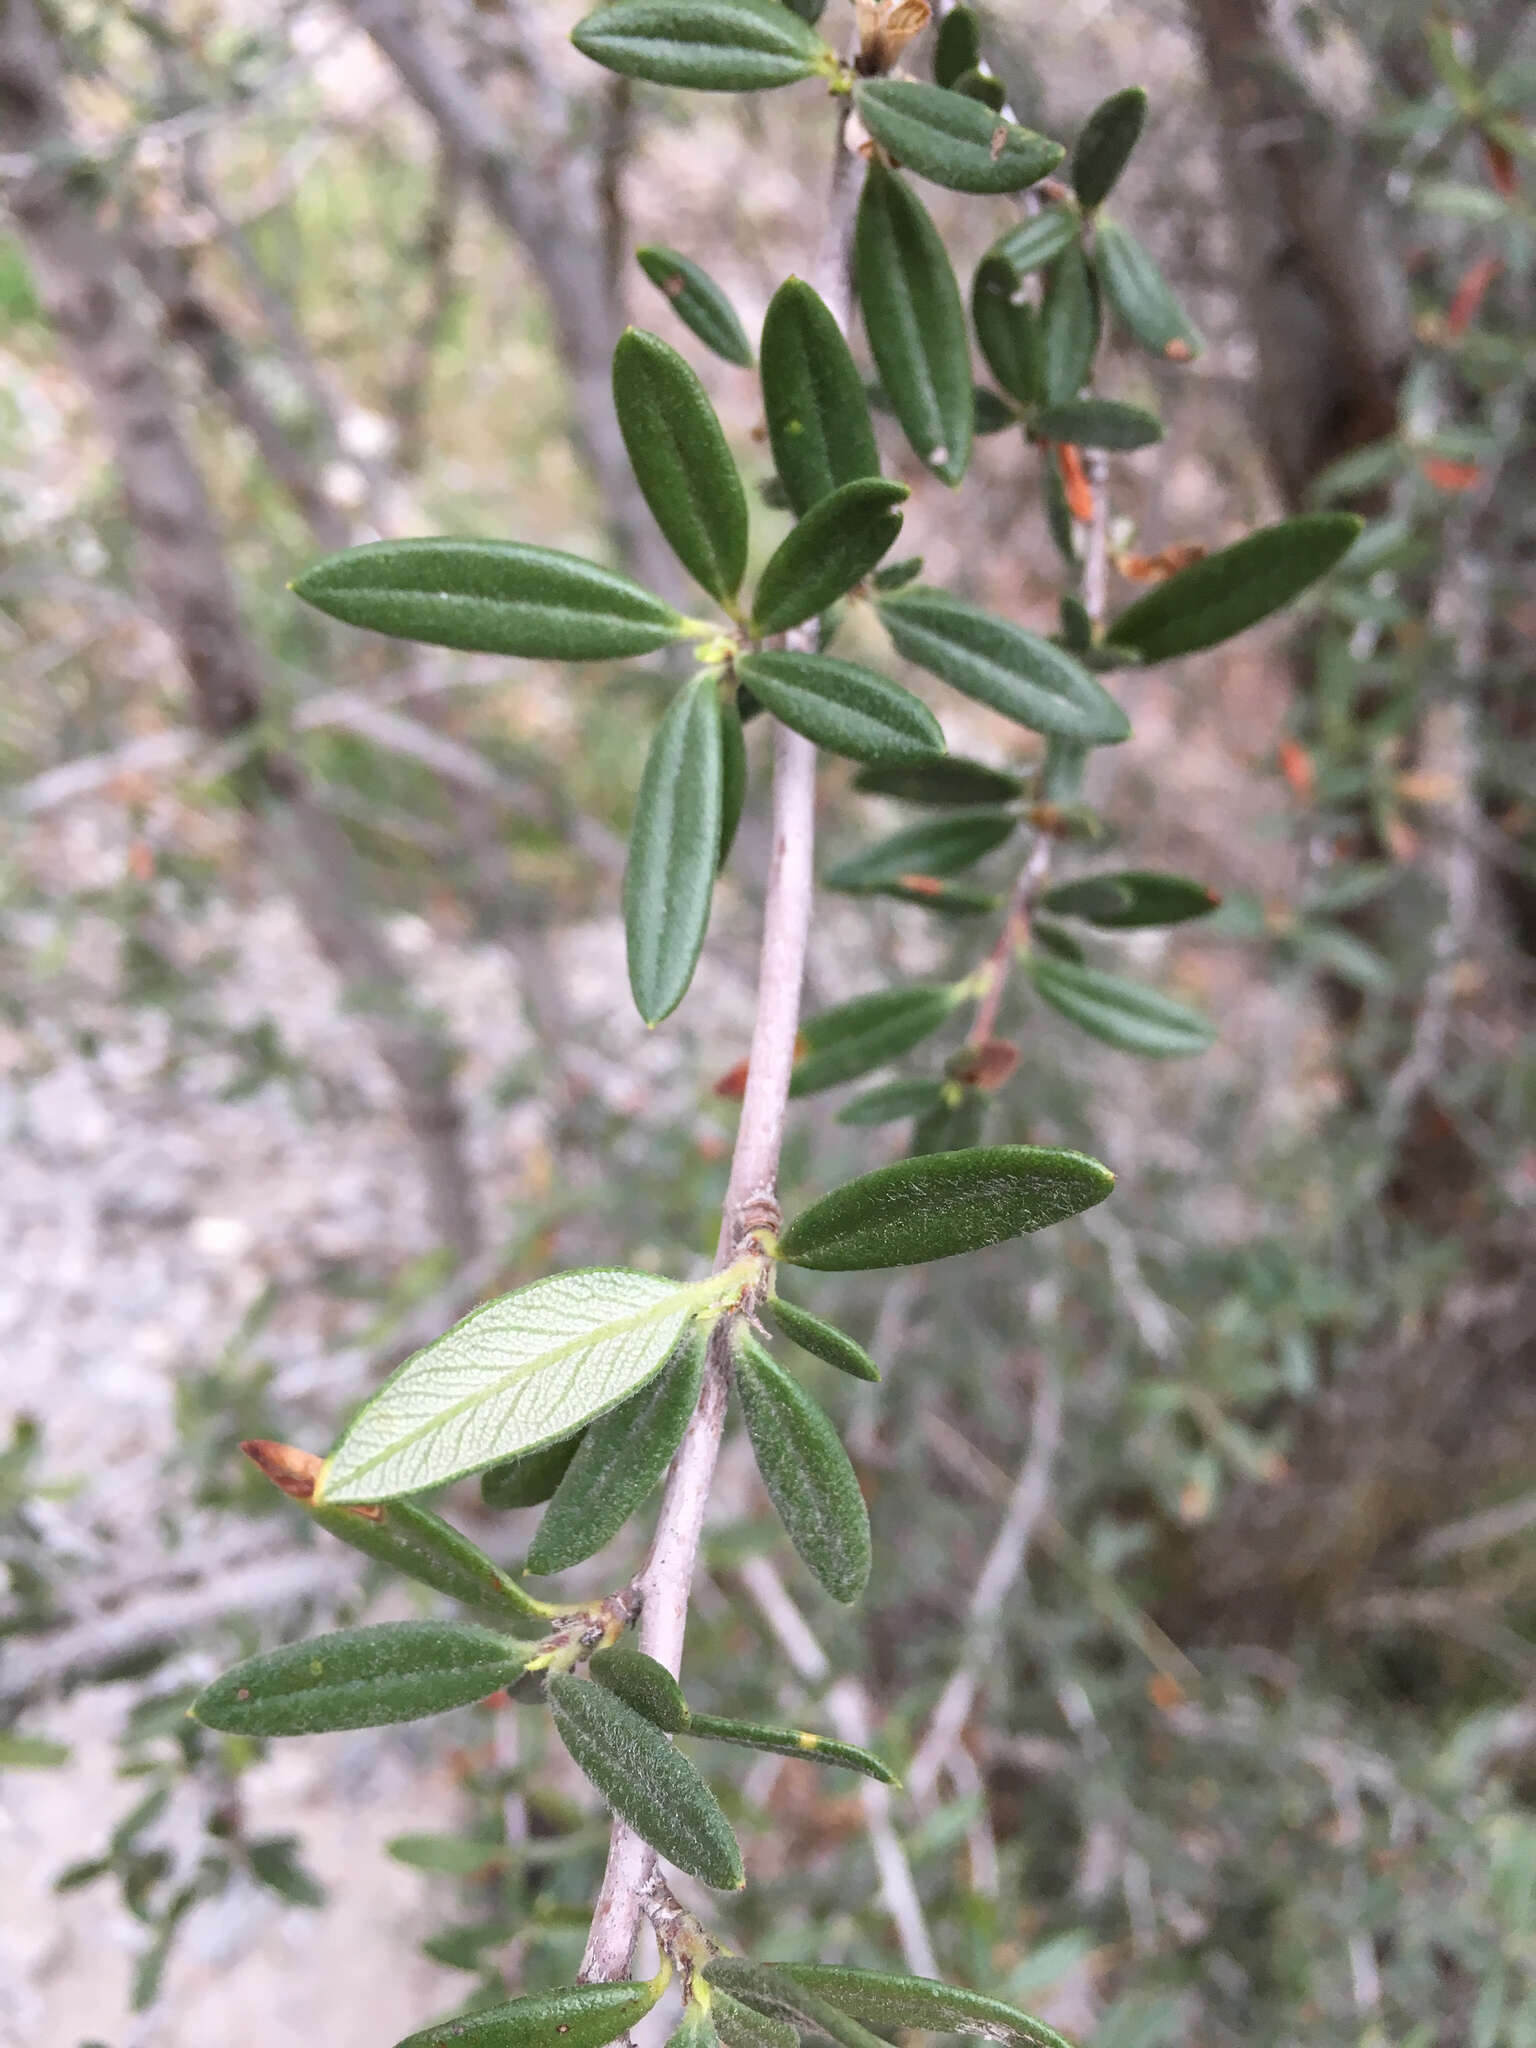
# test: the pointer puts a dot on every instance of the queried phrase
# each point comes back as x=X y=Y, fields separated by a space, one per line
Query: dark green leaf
x=711 y=45
x=1232 y=590
x=950 y=1126
x=697 y=301
x=1058 y=516
x=1104 y=147
x=931 y=848
x=948 y=1202
x=915 y=322
x=646 y=1781
x=1133 y=897
x=889 y=2001
x=1008 y=331
x=360 y=1678
x=818 y=1749
x=1121 y=1013
x=833 y=547
x=740 y=2027
x=893 y=1102
x=808 y=10
x=957 y=46
x=733 y=775
x=696 y=2029
x=952 y=139
x=275 y=1863
x=586 y=2016
x=845 y=708
x=772 y=1991
x=1069 y=326
x=895 y=575
x=1038 y=240
x=993 y=414
x=806 y=1471
x=622 y=1457
x=1139 y=293
x=869 y=1032
x=463 y=1948
x=677 y=449
x=674 y=850
x=528 y=1482
x=823 y=1340
x=813 y=398
x=1076 y=626
x=1098 y=423
x=950 y=780
x=1002 y=665
x=980 y=85
x=640 y=1682
x=425 y=1547
x=1060 y=944
x=491 y=597
x=448 y=1855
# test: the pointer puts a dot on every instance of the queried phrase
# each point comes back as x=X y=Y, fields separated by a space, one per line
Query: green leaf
x=822 y=1340
x=1002 y=665
x=31 y=1752
x=1098 y=423
x=808 y=10
x=740 y=2027
x=360 y=1678
x=528 y=1482
x=895 y=575
x=893 y=1102
x=1104 y=147
x=890 y=2001
x=1229 y=591
x=1121 y=1013
x=646 y=1781
x=448 y=1855
x=773 y=1991
x=933 y=847
x=915 y=322
x=422 y=1545
x=1139 y=293
x=945 y=1203
x=994 y=415
x=1038 y=240
x=640 y=1682
x=806 y=1471
x=1069 y=326
x=695 y=2030
x=1008 y=331
x=1130 y=898
x=834 y=546
x=491 y=597
x=585 y=2016
x=622 y=1457
x=977 y=84
x=950 y=1126
x=711 y=45
x=818 y=1749
x=950 y=780
x=845 y=708
x=520 y=1372
x=674 y=850
x=951 y=139
x=813 y=398
x=957 y=46
x=275 y=1863
x=856 y=1037
x=733 y=775
x=697 y=301
x=678 y=451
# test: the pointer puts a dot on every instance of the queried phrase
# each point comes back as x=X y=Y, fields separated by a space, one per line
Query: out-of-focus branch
x=434 y=251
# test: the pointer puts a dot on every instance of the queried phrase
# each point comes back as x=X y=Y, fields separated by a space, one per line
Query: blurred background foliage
x=1249 y=1750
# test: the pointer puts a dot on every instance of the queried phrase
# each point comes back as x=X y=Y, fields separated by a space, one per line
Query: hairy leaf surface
x=915 y=322
x=682 y=463
x=711 y=45
x=847 y=709
x=834 y=546
x=1233 y=589
x=1122 y=1013
x=674 y=850
x=822 y=1339
x=806 y=1471
x=698 y=302
x=360 y=1678
x=585 y=2016
x=813 y=397
x=856 y=1037
x=890 y=2001
x=952 y=140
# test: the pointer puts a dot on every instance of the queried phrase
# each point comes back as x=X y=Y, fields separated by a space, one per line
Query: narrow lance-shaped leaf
x=697 y=301
x=360 y=1678
x=1098 y=423
x=806 y=1471
x=1037 y=240
x=674 y=850
x=678 y=451
x=491 y=597
x=1104 y=147
x=733 y=775
x=1122 y=1013
x=950 y=781
x=585 y=2016
x=528 y=1482
x=831 y=549
x=711 y=45
x=918 y=853
x=1008 y=331
x=891 y=2002
x=1131 y=898
x=893 y=1102
x=1002 y=665
x=1140 y=295
x=957 y=46
x=951 y=139
x=945 y=1203
x=813 y=398
x=822 y=1339
x=646 y=1781
x=1227 y=592
x=840 y=706
x=526 y=1370
x=915 y=322
x=1069 y=326
x=640 y=1682
x=740 y=2027
x=623 y=1455
x=856 y=1037
x=770 y=1990
x=801 y=1742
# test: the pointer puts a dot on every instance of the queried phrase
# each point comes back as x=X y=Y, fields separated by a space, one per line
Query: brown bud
x=986 y=1066
x=296 y=1472
x=1166 y=562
